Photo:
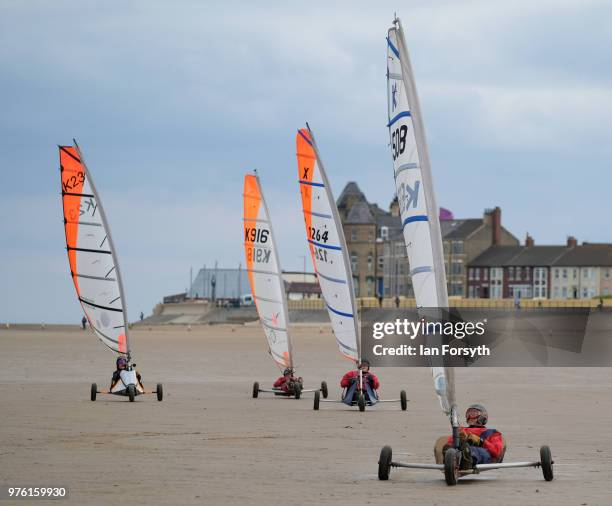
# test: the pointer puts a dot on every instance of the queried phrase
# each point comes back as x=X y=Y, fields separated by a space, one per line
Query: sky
x=172 y=102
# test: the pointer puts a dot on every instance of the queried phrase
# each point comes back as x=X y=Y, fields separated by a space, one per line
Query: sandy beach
x=209 y=442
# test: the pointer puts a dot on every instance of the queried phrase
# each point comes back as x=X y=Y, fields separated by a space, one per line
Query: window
x=353 y=234
x=565 y=292
x=556 y=273
x=370 y=259
x=511 y=273
x=519 y=273
x=485 y=273
x=565 y=273
x=471 y=273
x=456 y=268
x=575 y=271
x=585 y=293
x=457 y=247
x=384 y=233
x=526 y=273
x=354 y=262
x=607 y=273
x=381 y=263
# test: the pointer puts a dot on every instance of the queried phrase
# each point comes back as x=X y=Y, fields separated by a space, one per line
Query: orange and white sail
x=91 y=254
x=328 y=246
x=265 y=275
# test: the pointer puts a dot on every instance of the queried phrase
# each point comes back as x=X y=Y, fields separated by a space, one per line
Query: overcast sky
x=172 y=102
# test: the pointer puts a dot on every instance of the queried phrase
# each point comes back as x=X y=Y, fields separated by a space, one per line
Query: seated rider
x=478 y=444
x=287 y=381
x=369 y=379
x=122 y=364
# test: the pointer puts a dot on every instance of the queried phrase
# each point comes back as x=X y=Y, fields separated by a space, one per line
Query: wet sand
x=209 y=442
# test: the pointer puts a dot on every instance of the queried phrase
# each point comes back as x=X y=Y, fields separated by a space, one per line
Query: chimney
x=572 y=242
x=394 y=207
x=492 y=217
x=529 y=242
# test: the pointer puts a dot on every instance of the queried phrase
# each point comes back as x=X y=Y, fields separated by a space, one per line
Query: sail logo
x=393 y=96
x=258 y=255
x=408 y=196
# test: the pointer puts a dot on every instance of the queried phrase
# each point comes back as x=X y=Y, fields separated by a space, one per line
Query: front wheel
x=160 y=392
x=361 y=401
x=131 y=391
x=403 y=400
x=384 y=463
x=317 y=399
x=94 y=391
x=297 y=391
x=255 y=390
x=451 y=467
x=324 y=390
x=546 y=462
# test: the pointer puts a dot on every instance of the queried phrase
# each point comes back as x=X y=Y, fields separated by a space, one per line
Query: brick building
x=378 y=255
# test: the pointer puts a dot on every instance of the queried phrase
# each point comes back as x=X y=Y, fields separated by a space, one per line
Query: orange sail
x=91 y=255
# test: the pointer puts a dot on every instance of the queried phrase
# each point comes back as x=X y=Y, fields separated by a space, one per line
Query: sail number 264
x=398 y=141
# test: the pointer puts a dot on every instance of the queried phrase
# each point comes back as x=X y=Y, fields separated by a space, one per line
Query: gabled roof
x=587 y=255
x=496 y=256
x=537 y=256
x=360 y=214
x=460 y=229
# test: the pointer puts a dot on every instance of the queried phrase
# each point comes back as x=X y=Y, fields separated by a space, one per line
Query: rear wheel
x=361 y=401
x=384 y=463
x=546 y=463
x=94 y=391
x=255 y=390
x=160 y=392
x=317 y=399
x=131 y=391
x=403 y=400
x=451 y=467
x=297 y=390
x=324 y=390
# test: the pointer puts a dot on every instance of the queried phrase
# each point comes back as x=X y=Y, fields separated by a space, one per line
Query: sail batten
x=265 y=276
x=415 y=193
x=327 y=245
x=87 y=233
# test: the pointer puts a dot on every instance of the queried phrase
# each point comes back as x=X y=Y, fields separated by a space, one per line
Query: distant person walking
x=397 y=301
x=141 y=316
x=380 y=300
x=84 y=323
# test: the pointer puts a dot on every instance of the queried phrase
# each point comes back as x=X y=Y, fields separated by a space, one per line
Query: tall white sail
x=265 y=275
x=328 y=246
x=91 y=253
x=415 y=193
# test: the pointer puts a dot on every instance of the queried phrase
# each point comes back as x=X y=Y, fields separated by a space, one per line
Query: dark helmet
x=477 y=413
x=121 y=361
x=364 y=362
x=288 y=371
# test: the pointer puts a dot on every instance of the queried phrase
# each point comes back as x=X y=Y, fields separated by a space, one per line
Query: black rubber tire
x=255 y=390
x=324 y=390
x=160 y=392
x=403 y=400
x=384 y=463
x=297 y=391
x=131 y=391
x=317 y=400
x=451 y=467
x=547 y=463
x=361 y=401
x=94 y=391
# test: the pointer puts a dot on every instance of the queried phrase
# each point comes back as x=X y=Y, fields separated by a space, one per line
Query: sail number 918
x=398 y=141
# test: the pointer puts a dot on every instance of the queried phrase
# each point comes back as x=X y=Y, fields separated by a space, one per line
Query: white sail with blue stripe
x=328 y=246
x=414 y=186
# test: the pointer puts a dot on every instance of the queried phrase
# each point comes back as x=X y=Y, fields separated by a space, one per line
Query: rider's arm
x=494 y=444
x=279 y=382
x=345 y=382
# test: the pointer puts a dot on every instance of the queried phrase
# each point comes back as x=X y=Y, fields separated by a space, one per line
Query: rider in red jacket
x=285 y=381
x=479 y=444
x=368 y=377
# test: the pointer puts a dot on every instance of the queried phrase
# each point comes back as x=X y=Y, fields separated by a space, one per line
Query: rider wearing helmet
x=369 y=379
x=287 y=381
x=122 y=364
x=478 y=444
